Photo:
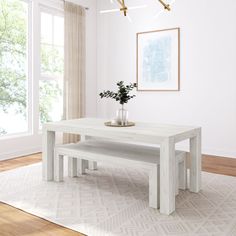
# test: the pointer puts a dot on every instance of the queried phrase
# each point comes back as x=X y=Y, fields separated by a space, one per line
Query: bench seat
x=121 y=154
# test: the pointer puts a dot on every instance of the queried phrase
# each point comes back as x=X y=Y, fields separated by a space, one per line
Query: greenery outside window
x=52 y=55
x=13 y=67
x=31 y=66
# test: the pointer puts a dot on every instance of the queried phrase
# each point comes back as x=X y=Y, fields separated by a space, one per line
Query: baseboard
x=19 y=153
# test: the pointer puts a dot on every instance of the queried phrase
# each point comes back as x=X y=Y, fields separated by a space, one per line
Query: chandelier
x=123 y=8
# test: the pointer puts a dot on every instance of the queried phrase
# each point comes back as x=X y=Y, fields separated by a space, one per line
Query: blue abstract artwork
x=158 y=60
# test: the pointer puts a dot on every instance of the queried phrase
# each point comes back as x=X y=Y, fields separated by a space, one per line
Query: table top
x=142 y=131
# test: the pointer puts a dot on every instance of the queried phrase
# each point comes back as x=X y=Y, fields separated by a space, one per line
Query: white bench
x=120 y=154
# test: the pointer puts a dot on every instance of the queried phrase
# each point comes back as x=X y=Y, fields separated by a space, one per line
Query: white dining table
x=165 y=135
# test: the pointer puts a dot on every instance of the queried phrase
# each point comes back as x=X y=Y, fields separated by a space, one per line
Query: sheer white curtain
x=74 y=69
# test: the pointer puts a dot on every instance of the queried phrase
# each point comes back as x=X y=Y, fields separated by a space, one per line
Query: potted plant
x=122 y=96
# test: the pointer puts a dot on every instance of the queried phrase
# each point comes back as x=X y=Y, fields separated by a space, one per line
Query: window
x=16 y=88
x=14 y=111
x=31 y=72
x=52 y=55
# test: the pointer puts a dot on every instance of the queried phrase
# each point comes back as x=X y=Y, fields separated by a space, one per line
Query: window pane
x=58 y=31
x=13 y=66
x=51 y=60
x=46 y=28
x=52 y=66
x=50 y=100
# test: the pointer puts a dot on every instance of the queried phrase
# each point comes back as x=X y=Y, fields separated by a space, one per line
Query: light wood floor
x=15 y=222
x=219 y=165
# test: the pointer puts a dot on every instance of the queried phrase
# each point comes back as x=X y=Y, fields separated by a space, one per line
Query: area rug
x=113 y=201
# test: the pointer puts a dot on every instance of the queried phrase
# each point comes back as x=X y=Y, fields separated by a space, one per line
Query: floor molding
x=19 y=153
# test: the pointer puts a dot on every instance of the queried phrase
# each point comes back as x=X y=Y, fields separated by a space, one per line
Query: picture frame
x=158 y=60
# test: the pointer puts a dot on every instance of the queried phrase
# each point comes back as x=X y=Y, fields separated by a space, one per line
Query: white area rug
x=114 y=201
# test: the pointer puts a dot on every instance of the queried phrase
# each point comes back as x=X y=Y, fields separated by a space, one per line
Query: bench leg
x=154 y=187
x=81 y=166
x=183 y=174
x=72 y=167
x=58 y=167
x=93 y=165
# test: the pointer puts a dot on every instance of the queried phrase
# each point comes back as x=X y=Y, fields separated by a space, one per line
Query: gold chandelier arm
x=124 y=9
x=165 y=5
x=121 y=3
x=123 y=6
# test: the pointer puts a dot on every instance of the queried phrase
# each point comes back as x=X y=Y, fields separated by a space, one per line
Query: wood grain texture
x=20 y=161
x=141 y=132
x=195 y=164
x=48 y=154
x=148 y=133
x=121 y=154
x=154 y=187
x=219 y=165
x=167 y=176
x=15 y=222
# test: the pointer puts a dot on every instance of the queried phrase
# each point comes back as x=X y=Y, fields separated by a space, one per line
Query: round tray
x=108 y=123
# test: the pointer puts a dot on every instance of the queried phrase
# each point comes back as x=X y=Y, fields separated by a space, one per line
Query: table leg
x=195 y=167
x=48 y=154
x=82 y=164
x=91 y=165
x=167 y=176
x=154 y=187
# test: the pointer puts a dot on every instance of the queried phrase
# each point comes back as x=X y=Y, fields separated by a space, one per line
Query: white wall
x=208 y=67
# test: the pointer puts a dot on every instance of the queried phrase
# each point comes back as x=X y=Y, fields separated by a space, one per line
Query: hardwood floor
x=20 y=161
x=15 y=222
x=219 y=165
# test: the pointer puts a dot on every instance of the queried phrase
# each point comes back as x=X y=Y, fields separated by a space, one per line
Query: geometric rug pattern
x=113 y=201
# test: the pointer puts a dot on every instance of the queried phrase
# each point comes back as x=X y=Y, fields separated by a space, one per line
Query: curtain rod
x=86 y=8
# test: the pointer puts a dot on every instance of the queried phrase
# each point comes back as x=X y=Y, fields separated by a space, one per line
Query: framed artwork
x=158 y=62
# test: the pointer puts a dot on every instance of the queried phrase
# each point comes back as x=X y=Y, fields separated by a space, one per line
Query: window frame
x=54 y=11
x=33 y=74
x=30 y=142
x=29 y=78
